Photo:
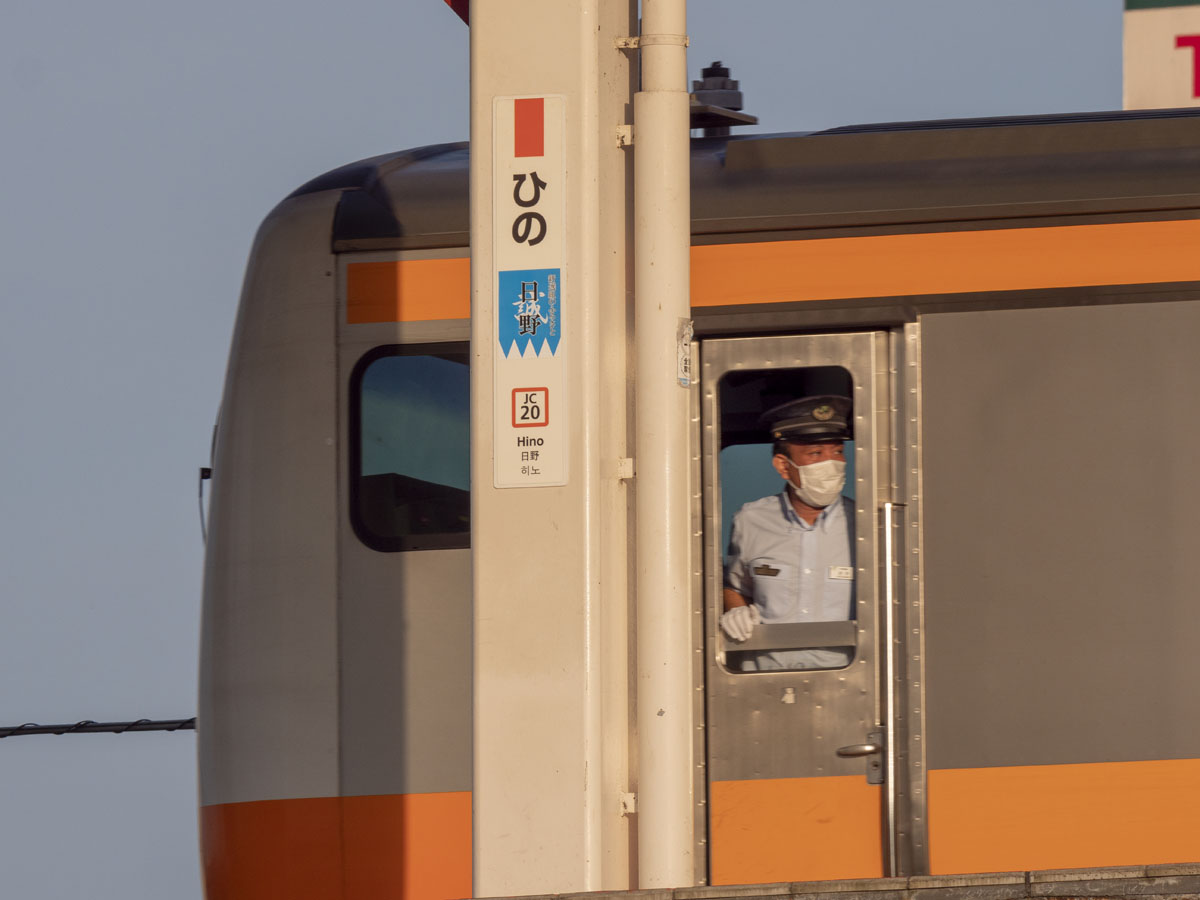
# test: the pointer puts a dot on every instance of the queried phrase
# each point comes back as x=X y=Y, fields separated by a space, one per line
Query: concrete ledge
x=1170 y=881
x=917 y=882
x=1105 y=874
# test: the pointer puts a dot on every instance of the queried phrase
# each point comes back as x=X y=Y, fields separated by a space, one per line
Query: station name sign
x=532 y=307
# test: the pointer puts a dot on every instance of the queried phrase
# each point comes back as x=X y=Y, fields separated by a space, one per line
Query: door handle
x=859 y=750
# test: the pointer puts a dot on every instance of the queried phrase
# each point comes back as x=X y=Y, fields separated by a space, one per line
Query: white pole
x=662 y=226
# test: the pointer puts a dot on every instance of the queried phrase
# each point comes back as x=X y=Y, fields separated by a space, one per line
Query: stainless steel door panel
x=791 y=724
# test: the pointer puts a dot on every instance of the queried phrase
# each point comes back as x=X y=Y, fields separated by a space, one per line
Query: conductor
x=791 y=555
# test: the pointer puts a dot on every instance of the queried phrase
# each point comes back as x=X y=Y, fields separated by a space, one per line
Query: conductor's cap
x=810 y=419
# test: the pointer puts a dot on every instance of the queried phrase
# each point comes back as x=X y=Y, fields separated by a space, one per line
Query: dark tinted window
x=411 y=444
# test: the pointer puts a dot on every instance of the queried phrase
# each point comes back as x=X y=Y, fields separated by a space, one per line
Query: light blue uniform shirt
x=794 y=572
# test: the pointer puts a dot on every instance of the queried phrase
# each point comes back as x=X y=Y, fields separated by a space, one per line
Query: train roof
x=879 y=176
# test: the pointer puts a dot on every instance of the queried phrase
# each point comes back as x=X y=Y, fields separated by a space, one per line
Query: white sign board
x=532 y=298
x=1162 y=53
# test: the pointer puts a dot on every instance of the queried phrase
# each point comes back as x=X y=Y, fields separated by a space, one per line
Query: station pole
x=551 y=310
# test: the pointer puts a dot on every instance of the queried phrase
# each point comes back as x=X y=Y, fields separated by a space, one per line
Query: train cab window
x=788 y=539
x=410 y=448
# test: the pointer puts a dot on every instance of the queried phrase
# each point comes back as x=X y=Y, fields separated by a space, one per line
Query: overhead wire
x=89 y=726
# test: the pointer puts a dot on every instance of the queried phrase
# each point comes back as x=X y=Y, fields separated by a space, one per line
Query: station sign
x=1162 y=53
x=532 y=300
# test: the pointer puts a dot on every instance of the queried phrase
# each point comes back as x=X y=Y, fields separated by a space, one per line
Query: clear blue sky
x=142 y=144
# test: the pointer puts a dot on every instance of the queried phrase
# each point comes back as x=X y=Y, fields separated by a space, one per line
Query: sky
x=142 y=143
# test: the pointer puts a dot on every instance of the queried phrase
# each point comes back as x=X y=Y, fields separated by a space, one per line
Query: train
x=1013 y=306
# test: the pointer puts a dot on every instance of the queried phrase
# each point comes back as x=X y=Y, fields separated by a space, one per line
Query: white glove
x=739 y=622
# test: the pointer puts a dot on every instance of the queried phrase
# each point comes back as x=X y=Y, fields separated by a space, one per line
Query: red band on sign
x=529 y=126
x=1193 y=41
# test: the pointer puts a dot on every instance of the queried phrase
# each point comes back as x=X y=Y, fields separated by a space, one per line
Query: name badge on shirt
x=766 y=570
x=843 y=573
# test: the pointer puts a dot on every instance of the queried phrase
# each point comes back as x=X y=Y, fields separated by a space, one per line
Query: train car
x=1013 y=307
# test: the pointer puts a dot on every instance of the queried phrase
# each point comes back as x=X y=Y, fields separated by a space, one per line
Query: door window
x=791 y=562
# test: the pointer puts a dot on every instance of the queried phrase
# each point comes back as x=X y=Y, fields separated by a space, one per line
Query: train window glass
x=799 y=575
x=411 y=442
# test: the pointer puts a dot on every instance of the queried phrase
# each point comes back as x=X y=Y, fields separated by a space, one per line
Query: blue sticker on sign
x=529 y=310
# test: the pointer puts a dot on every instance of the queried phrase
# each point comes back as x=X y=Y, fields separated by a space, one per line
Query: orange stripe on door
x=795 y=829
x=1019 y=818
x=945 y=263
x=411 y=290
x=410 y=846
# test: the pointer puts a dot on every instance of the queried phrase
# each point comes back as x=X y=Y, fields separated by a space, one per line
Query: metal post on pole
x=662 y=214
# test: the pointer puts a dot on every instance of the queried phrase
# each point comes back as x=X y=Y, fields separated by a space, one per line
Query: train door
x=805 y=760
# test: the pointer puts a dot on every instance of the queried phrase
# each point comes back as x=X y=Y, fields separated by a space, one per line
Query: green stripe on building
x=1157 y=4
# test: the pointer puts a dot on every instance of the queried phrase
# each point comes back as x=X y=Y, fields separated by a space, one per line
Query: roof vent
x=717 y=102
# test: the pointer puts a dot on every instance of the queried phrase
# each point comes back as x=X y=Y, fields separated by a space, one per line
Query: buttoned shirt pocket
x=776 y=586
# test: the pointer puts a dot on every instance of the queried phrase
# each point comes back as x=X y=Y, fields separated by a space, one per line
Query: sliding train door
x=808 y=752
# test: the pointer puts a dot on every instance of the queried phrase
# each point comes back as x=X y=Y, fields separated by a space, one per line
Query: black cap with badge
x=810 y=420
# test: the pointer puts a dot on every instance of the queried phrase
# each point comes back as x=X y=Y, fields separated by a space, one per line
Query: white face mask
x=819 y=483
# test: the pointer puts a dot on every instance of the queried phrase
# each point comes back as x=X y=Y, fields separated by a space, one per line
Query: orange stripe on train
x=411 y=290
x=1015 y=818
x=945 y=263
x=415 y=846
x=895 y=265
